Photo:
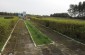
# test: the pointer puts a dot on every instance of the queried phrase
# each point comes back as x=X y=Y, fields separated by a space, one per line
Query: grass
x=38 y=37
x=6 y=26
x=73 y=28
x=64 y=20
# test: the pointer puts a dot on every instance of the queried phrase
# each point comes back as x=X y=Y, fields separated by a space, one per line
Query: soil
x=51 y=50
x=62 y=44
x=21 y=43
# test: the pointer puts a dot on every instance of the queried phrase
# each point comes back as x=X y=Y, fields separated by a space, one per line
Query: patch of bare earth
x=20 y=42
x=50 y=50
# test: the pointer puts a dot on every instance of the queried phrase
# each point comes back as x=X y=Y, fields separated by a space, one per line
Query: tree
x=77 y=10
x=83 y=5
x=59 y=15
x=73 y=10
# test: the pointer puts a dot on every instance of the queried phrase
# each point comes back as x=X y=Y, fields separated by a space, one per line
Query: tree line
x=8 y=14
x=59 y=15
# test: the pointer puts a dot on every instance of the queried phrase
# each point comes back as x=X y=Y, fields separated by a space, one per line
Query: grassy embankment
x=38 y=37
x=6 y=26
x=73 y=28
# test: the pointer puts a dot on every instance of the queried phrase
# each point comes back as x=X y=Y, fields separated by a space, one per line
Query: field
x=38 y=37
x=73 y=28
x=6 y=26
x=39 y=31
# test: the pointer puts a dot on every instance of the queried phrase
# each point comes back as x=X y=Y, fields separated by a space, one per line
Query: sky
x=37 y=7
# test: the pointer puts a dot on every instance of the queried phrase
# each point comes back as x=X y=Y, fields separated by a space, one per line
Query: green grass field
x=38 y=37
x=6 y=26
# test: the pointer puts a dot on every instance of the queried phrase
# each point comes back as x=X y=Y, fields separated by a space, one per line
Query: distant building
x=22 y=15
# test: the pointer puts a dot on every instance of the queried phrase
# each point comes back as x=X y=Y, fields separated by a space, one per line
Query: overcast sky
x=39 y=7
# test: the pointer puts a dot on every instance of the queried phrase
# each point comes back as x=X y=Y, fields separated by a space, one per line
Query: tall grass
x=73 y=28
x=37 y=35
x=6 y=26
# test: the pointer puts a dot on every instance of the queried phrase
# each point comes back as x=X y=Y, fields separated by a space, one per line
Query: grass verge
x=38 y=37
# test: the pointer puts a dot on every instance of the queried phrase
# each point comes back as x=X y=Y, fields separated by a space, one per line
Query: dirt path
x=63 y=44
x=20 y=42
